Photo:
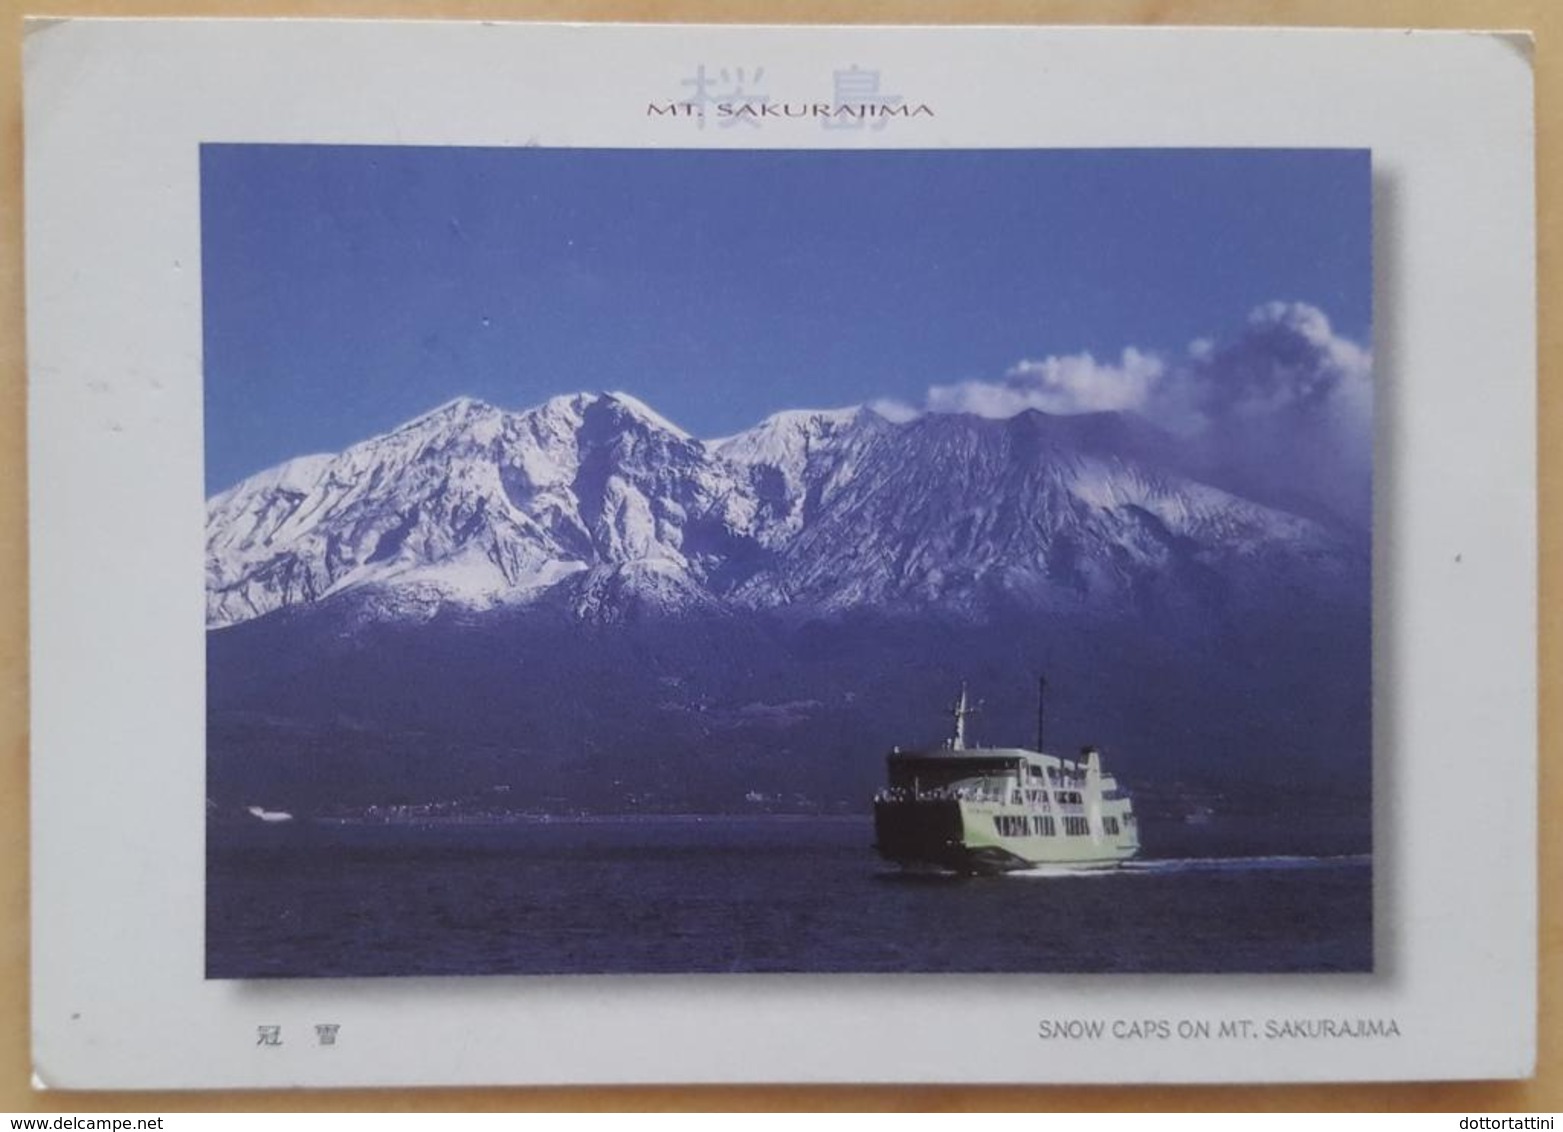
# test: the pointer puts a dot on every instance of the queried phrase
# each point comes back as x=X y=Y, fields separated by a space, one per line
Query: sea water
x=741 y=894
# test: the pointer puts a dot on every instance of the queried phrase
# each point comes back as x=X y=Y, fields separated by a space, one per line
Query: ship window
x=1111 y=824
x=1076 y=827
x=1010 y=825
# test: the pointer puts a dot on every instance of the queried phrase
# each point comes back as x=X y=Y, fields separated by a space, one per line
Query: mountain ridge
x=600 y=502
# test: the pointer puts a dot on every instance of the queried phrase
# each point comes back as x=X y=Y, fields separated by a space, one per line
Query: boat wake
x=1200 y=865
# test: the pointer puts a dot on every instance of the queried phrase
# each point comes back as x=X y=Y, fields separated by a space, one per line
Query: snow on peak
x=782 y=438
x=813 y=420
x=597 y=491
x=569 y=410
x=646 y=413
x=456 y=409
x=470 y=501
x=299 y=474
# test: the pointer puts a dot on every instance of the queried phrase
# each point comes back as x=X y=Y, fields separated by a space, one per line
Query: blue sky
x=347 y=289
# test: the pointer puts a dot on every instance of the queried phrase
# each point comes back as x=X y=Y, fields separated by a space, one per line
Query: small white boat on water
x=271 y=817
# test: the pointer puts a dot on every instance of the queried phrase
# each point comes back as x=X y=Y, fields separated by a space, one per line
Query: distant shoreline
x=561 y=819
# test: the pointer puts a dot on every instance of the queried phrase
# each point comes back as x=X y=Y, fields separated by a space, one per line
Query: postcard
x=763 y=535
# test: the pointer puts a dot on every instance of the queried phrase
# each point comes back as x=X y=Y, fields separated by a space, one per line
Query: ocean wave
x=1199 y=865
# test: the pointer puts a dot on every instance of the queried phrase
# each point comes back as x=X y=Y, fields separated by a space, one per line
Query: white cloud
x=892 y=410
x=1286 y=405
x=1075 y=383
x=1286 y=358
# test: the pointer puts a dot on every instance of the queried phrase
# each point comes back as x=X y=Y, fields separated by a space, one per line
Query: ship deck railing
x=962 y=794
x=968 y=794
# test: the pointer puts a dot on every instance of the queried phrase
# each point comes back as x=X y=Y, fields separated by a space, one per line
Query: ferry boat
x=977 y=810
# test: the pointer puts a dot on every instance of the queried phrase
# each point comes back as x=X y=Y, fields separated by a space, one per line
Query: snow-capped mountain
x=597 y=502
x=480 y=507
x=583 y=602
x=955 y=512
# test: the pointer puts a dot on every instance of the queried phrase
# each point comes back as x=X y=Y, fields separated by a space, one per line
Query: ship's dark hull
x=930 y=833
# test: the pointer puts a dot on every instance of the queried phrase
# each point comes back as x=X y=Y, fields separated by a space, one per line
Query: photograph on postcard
x=738 y=560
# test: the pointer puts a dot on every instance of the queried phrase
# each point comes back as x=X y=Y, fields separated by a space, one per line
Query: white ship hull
x=1000 y=809
x=965 y=837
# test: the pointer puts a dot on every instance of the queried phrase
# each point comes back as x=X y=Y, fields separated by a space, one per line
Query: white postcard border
x=115 y=112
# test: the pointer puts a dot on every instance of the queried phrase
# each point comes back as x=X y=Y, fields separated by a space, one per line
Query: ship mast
x=1041 y=711
x=960 y=711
